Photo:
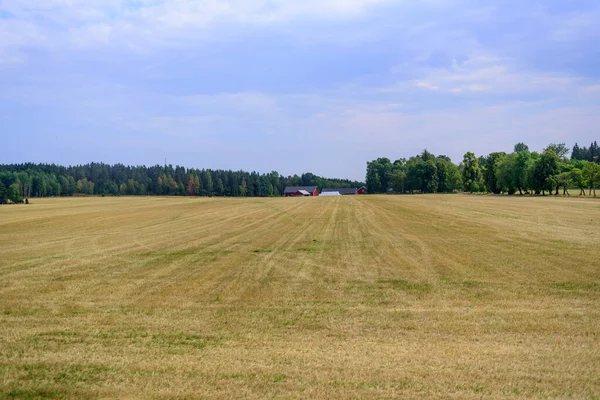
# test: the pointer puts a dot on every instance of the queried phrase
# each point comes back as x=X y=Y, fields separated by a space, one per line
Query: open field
x=436 y=296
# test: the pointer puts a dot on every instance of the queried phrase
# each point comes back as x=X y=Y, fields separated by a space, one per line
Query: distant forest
x=21 y=181
x=522 y=171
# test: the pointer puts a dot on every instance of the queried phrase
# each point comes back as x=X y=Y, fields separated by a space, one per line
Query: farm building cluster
x=300 y=191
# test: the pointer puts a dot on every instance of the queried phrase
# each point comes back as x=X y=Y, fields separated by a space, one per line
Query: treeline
x=21 y=181
x=522 y=171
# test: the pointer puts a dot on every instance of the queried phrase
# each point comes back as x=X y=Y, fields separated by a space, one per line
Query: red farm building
x=299 y=191
x=361 y=190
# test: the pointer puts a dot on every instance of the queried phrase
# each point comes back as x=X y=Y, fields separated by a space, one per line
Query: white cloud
x=426 y=85
x=141 y=22
x=470 y=88
x=483 y=73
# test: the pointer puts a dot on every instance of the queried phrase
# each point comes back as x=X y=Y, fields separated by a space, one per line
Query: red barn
x=362 y=190
x=293 y=191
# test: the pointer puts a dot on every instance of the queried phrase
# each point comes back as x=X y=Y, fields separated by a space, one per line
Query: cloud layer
x=319 y=86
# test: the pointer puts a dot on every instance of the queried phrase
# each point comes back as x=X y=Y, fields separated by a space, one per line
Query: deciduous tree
x=471 y=172
x=490 y=172
x=591 y=173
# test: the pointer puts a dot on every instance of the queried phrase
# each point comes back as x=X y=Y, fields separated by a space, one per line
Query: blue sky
x=293 y=86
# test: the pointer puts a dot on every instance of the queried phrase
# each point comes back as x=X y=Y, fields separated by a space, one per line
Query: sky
x=318 y=86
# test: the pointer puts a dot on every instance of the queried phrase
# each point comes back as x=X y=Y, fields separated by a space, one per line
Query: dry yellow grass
x=356 y=297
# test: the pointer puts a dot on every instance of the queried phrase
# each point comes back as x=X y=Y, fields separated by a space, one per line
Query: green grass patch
x=30 y=394
x=576 y=286
x=408 y=286
x=307 y=249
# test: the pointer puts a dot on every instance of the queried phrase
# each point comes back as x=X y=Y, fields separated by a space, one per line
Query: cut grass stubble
x=350 y=297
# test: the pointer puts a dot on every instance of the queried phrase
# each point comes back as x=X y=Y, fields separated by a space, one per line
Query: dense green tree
x=70 y=185
x=422 y=175
x=373 y=181
x=576 y=153
x=14 y=192
x=244 y=187
x=448 y=175
x=563 y=177
x=64 y=184
x=506 y=178
x=430 y=177
x=3 y=193
x=207 y=183
x=520 y=147
x=490 y=172
x=563 y=180
x=594 y=152
x=471 y=173
x=399 y=165
x=398 y=177
x=576 y=177
x=219 y=187
x=586 y=153
x=378 y=175
x=521 y=170
x=25 y=184
x=544 y=172
x=560 y=149
x=591 y=173
x=39 y=185
x=397 y=181
x=427 y=156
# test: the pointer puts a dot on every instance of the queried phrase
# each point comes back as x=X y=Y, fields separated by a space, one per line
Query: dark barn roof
x=341 y=190
x=294 y=189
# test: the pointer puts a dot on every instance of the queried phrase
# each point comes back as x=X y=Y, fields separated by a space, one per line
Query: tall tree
x=471 y=172
x=591 y=172
x=519 y=147
x=426 y=156
x=490 y=172
x=521 y=170
x=422 y=175
x=594 y=152
x=506 y=179
x=197 y=187
x=397 y=181
x=207 y=183
x=563 y=180
x=560 y=149
x=575 y=153
x=244 y=187
x=378 y=175
x=448 y=175
x=576 y=177
x=430 y=177
x=190 y=186
x=544 y=172
x=14 y=193
x=3 y=193
x=373 y=180
x=219 y=187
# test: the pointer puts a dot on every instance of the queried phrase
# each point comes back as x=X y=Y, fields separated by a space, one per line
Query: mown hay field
x=435 y=296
